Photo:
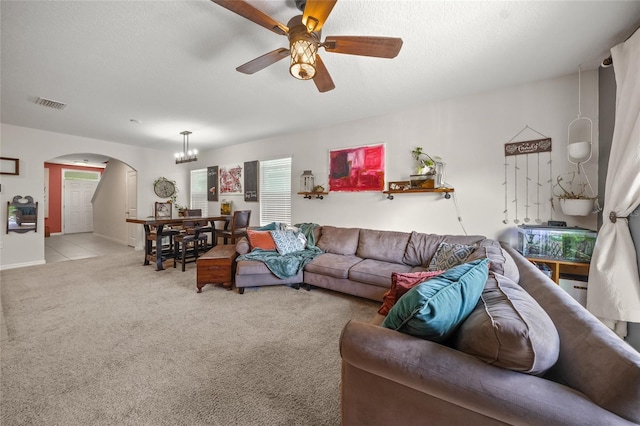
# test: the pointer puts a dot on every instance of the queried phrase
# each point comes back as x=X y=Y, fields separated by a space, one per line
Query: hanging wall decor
x=212 y=183
x=357 y=169
x=526 y=188
x=251 y=181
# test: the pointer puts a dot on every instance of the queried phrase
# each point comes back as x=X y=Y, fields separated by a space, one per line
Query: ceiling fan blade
x=322 y=79
x=316 y=13
x=263 y=61
x=245 y=10
x=379 y=47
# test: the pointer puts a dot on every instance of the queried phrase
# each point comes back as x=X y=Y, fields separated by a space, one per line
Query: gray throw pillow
x=449 y=255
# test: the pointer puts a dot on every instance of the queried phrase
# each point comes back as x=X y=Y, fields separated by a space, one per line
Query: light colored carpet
x=106 y=341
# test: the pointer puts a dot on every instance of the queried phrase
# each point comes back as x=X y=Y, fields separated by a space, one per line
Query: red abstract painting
x=357 y=169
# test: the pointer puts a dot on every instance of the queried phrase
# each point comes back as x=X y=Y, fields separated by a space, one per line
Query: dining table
x=154 y=225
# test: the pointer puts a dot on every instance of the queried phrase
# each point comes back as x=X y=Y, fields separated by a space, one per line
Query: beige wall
x=110 y=202
x=34 y=147
x=468 y=133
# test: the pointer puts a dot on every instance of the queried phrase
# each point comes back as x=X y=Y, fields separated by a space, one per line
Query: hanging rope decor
x=526 y=148
x=506 y=202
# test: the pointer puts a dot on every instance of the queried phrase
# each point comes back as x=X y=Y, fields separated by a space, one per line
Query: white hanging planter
x=579 y=152
x=576 y=206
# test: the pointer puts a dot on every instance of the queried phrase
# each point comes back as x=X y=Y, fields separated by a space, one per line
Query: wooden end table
x=217 y=266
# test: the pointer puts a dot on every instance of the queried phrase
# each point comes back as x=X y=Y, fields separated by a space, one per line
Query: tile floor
x=59 y=248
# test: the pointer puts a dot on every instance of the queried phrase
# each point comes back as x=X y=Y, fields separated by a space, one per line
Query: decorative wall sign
x=212 y=183
x=520 y=155
x=230 y=180
x=251 y=181
x=527 y=147
x=357 y=169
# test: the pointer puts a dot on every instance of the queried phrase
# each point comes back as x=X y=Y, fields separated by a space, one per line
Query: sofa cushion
x=376 y=272
x=433 y=309
x=339 y=240
x=388 y=246
x=509 y=329
x=449 y=255
x=402 y=283
x=422 y=247
x=261 y=240
x=251 y=267
x=288 y=241
x=332 y=265
x=500 y=261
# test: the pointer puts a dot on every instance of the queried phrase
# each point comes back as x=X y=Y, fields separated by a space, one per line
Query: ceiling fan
x=304 y=32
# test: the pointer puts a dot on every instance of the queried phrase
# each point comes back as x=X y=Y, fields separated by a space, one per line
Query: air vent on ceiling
x=50 y=104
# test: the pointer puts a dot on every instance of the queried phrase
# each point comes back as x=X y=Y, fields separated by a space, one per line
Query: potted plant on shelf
x=425 y=171
x=573 y=197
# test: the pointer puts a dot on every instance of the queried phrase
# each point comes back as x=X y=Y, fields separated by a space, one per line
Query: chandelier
x=187 y=155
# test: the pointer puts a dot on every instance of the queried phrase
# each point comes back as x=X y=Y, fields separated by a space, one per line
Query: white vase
x=576 y=206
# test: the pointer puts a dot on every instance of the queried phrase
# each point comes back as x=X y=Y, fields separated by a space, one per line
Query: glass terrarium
x=558 y=243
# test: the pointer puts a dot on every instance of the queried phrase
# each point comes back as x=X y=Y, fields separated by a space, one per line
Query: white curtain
x=613 y=293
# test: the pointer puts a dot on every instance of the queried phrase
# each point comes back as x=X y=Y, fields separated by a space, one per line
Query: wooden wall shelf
x=445 y=191
x=310 y=195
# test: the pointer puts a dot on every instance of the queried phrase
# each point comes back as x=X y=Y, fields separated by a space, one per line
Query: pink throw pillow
x=402 y=283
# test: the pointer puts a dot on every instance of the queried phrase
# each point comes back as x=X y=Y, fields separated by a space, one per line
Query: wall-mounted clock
x=164 y=188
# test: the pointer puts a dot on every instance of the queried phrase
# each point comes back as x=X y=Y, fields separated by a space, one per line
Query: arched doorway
x=76 y=198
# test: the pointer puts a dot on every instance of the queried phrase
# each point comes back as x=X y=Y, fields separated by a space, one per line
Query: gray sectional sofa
x=358 y=261
x=488 y=373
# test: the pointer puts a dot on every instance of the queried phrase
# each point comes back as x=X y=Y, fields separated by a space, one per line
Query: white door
x=78 y=210
x=132 y=206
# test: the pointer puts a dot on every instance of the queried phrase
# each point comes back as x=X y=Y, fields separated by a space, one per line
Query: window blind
x=275 y=191
x=199 y=191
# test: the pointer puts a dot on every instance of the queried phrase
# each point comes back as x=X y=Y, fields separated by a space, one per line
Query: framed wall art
x=357 y=169
x=163 y=210
x=230 y=180
x=9 y=166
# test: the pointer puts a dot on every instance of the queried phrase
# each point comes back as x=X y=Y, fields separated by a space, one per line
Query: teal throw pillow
x=288 y=241
x=449 y=255
x=434 y=309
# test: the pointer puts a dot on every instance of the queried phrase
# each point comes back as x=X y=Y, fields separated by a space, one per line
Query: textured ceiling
x=171 y=64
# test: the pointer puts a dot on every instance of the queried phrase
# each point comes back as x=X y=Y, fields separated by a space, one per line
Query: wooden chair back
x=240 y=221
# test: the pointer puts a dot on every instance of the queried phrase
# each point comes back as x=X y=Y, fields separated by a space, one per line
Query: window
x=275 y=191
x=199 y=191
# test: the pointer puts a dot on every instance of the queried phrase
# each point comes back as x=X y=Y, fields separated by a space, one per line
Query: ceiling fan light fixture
x=303 y=57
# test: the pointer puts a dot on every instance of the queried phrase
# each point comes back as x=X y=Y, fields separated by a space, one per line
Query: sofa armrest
x=463 y=380
x=242 y=246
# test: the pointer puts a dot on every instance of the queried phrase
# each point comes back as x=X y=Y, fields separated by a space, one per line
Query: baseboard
x=22 y=265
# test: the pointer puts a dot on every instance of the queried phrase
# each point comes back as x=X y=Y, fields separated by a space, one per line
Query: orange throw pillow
x=402 y=283
x=261 y=239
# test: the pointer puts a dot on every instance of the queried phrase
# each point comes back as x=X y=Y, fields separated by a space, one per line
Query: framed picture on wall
x=163 y=210
x=231 y=180
x=9 y=166
x=357 y=169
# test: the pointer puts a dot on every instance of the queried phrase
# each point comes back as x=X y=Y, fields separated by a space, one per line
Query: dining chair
x=237 y=228
x=163 y=211
x=190 y=242
x=204 y=225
